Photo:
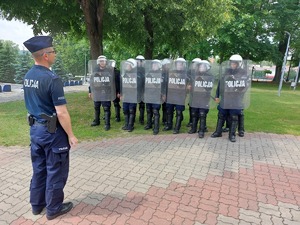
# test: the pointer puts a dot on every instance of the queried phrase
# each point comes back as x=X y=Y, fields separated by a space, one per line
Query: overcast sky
x=15 y=31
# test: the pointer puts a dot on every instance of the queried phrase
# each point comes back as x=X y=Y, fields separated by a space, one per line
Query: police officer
x=176 y=95
x=231 y=102
x=153 y=95
x=129 y=93
x=201 y=86
x=105 y=72
x=116 y=101
x=51 y=132
x=166 y=63
x=195 y=63
x=141 y=77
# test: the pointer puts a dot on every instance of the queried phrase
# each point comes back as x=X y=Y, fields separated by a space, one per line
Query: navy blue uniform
x=43 y=90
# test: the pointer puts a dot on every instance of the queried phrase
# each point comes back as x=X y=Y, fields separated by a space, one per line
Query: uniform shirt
x=43 y=90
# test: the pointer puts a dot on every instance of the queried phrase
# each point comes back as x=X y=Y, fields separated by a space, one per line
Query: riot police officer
x=201 y=85
x=165 y=75
x=51 y=132
x=153 y=94
x=102 y=83
x=176 y=94
x=141 y=79
x=195 y=62
x=230 y=94
x=116 y=101
x=129 y=92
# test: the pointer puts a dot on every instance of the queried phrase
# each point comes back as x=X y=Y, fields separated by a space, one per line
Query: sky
x=15 y=31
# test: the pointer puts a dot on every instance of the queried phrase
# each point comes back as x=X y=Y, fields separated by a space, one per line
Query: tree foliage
x=8 y=56
x=24 y=63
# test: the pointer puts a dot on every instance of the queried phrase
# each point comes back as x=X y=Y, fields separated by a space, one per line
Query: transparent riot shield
x=235 y=85
x=177 y=80
x=129 y=83
x=102 y=81
x=202 y=84
x=153 y=82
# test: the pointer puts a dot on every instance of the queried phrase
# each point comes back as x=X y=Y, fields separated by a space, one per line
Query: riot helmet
x=101 y=61
x=204 y=66
x=112 y=63
x=155 y=64
x=140 y=60
x=195 y=62
x=130 y=64
x=236 y=61
x=180 y=64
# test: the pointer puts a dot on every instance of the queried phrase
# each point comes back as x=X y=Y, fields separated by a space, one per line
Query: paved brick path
x=167 y=179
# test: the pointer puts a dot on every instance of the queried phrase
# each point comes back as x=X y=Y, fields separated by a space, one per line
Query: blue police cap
x=38 y=42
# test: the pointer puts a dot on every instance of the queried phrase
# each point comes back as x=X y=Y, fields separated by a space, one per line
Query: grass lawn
x=267 y=113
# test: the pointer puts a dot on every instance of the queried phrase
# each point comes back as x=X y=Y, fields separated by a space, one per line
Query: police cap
x=37 y=43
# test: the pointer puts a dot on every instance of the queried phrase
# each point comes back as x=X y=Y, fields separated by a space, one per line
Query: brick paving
x=166 y=179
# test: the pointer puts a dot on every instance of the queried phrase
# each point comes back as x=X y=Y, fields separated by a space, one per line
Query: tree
x=8 y=56
x=24 y=63
x=73 y=53
x=165 y=28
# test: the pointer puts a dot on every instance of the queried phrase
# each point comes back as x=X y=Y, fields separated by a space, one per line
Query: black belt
x=39 y=124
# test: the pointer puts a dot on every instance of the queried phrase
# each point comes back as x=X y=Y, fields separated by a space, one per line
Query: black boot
x=164 y=114
x=131 y=120
x=142 y=112
x=190 y=118
x=126 y=118
x=156 y=121
x=169 y=124
x=202 y=126
x=241 y=129
x=117 y=111
x=194 y=123
x=227 y=124
x=179 y=118
x=107 y=114
x=233 y=126
x=96 y=121
x=149 y=119
x=220 y=122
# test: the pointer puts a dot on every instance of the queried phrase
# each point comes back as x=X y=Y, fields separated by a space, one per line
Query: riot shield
x=235 y=85
x=102 y=82
x=153 y=82
x=176 y=91
x=129 y=83
x=201 y=86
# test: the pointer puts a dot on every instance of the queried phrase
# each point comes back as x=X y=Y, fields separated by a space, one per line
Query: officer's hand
x=217 y=100
x=73 y=141
x=90 y=95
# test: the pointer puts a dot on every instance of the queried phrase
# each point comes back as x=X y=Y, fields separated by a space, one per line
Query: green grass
x=267 y=113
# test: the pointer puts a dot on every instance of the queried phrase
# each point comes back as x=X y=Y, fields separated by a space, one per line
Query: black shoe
x=175 y=131
x=66 y=207
x=216 y=134
x=201 y=134
x=107 y=127
x=241 y=133
x=94 y=123
x=118 y=119
x=232 y=138
x=37 y=212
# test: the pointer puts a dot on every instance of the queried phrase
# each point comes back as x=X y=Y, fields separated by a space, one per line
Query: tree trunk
x=149 y=41
x=93 y=11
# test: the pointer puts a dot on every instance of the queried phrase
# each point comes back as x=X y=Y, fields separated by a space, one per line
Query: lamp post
x=284 y=62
